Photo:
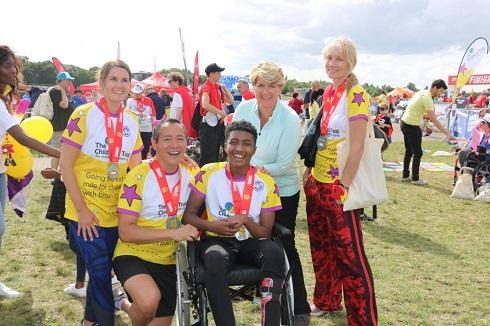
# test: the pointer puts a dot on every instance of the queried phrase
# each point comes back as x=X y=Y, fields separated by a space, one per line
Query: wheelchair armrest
x=280 y=231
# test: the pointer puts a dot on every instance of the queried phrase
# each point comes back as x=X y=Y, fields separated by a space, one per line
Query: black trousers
x=220 y=255
x=146 y=139
x=412 y=136
x=287 y=217
x=211 y=138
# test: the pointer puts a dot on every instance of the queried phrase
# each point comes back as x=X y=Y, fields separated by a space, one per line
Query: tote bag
x=369 y=185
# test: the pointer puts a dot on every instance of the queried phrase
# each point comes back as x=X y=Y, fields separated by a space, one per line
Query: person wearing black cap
x=213 y=98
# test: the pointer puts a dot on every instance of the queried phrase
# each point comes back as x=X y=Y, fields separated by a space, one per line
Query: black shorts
x=165 y=276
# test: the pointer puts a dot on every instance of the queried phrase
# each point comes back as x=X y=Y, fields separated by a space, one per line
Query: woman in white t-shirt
x=10 y=75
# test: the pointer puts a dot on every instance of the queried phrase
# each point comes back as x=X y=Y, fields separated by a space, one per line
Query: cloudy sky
x=398 y=41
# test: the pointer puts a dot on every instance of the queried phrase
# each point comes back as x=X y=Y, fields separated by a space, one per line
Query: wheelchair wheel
x=481 y=176
x=182 y=311
x=203 y=306
x=287 y=298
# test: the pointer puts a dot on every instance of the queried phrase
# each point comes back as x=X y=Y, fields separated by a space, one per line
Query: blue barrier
x=460 y=122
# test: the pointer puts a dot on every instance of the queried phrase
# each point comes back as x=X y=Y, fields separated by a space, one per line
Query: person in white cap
x=144 y=108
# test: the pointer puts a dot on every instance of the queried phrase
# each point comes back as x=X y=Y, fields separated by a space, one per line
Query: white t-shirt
x=6 y=122
x=176 y=107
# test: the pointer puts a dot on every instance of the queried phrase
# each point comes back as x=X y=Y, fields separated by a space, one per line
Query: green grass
x=429 y=255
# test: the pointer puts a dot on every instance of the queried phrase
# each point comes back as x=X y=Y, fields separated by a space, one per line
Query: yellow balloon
x=15 y=146
x=39 y=128
x=20 y=166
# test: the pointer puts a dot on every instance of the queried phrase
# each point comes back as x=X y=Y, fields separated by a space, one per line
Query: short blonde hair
x=269 y=72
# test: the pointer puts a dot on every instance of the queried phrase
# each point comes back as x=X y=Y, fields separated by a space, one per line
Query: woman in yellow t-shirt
x=338 y=256
x=99 y=143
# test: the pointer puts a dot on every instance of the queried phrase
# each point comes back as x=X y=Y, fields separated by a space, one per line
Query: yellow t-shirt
x=86 y=132
x=418 y=105
x=141 y=196
x=213 y=185
x=352 y=106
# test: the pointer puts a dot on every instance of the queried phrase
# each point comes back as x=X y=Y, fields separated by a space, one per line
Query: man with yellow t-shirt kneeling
x=150 y=208
x=240 y=205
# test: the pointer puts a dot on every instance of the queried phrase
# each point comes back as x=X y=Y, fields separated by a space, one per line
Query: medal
x=113 y=171
x=241 y=204
x=322 y=143
x=114 y=138
x=172 y=223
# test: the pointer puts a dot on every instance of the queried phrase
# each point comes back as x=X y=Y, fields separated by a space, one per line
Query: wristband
x=343 y=186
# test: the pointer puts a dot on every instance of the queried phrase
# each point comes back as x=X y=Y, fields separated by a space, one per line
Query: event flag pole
x=183 y=56
x=471 y=59
x=195 y=85
x=59 y=68
x=118 y=54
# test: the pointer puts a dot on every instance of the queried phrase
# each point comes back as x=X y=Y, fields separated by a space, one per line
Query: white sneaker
x=407 y=179
x=8 y=293
x=420 y=182
x=72 y=290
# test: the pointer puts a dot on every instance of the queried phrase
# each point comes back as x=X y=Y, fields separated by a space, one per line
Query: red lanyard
x=241 y=205
x=114 y=138
x=171 y=199
x=329 y=105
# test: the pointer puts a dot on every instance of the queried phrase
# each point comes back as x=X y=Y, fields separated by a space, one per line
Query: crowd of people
x=132 y=192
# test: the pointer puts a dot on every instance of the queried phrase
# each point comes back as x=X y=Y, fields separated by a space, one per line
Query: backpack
x=196 y=117
x=43 y=106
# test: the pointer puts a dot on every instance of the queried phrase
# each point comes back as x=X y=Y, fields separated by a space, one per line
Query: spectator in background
x=143 y=107
x=420 y=104
x=77 y=99
x=157 y=102
x=34 y=93
x=243 y=89
x=311 y=95
x=481 y=100
x=213 y=98
x=383 y=121
x=62 y=109
x=472 y=99
x=167 y=100
x=182 y=107
x=295 y=103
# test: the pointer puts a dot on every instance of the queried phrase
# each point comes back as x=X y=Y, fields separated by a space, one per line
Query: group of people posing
x=127 y=215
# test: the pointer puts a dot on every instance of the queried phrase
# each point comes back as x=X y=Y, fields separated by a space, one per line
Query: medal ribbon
x=171 y=199
x=330 y=105
x=241 y=205
x=114 y=138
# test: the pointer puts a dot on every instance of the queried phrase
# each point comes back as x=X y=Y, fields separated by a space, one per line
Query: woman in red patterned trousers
x=337 y=249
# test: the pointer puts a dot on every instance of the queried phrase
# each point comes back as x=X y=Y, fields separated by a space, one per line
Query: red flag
x=59 y=68
x=195 y=86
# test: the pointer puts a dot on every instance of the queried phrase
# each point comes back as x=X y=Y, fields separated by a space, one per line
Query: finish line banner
x=474 y=80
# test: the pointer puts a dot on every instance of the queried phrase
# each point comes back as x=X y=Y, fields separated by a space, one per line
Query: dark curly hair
x=5 y=53
x=241 y=125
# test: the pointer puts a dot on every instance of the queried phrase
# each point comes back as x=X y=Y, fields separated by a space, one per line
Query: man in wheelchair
x=240 y=203
x=150 y=208
x=472 y=157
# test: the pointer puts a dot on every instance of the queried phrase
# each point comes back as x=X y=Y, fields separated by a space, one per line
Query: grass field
x=429 y=254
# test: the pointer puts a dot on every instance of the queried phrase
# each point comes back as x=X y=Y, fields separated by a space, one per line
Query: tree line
x=43 y=73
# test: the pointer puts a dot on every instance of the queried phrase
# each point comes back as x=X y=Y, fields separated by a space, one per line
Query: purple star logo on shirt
x=73 y=126
x=358 y=98
x=130 y=193
x=198 y=176
x=276 y=189
x=334 y=172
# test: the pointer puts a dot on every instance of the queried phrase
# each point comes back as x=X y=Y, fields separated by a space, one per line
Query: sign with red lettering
x=474 y=80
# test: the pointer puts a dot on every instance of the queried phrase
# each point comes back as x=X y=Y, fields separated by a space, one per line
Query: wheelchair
x=244 y=283
x=479 y=169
